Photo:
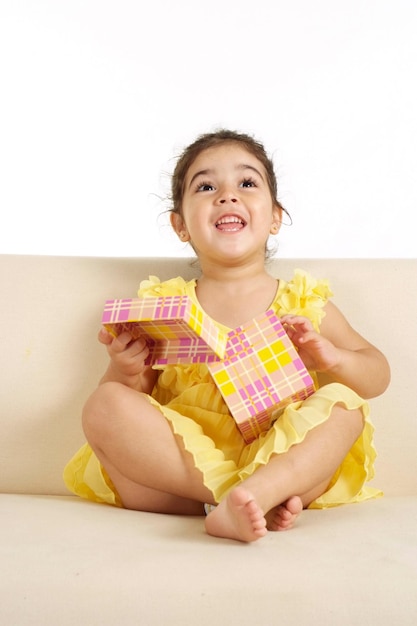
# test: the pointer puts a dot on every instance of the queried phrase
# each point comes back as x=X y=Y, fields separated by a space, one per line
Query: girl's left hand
x=316 y=352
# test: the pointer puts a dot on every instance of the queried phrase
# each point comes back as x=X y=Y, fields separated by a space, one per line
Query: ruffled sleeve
x=154 y=288
x=304 y=295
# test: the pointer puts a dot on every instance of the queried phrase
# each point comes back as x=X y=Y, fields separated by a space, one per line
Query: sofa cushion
x=68 y=561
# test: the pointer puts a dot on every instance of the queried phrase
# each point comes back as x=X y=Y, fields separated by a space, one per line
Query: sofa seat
x=67 y=561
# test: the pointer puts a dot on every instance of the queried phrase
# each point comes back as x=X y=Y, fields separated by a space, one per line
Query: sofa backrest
x=51 y=361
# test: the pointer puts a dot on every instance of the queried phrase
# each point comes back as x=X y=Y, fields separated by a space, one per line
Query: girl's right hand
x=127 y=357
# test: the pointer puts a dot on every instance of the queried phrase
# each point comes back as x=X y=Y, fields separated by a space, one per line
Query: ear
x=179 y=226
x=276 y=220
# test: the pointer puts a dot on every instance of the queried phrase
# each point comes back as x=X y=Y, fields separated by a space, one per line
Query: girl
x=162 y=440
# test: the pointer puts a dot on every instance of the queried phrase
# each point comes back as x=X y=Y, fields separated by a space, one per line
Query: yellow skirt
x=225 y=460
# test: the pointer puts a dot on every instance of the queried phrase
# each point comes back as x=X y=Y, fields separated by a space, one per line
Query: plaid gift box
x=176 y=330
x=256 y=367
x=260 y=373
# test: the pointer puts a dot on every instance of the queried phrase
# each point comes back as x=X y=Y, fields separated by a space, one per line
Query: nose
x=224 y=200
x=227 y=196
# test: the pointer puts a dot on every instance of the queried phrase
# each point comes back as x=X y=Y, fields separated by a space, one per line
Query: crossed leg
x=305 y=469
x=152 y=471
x=147 y=463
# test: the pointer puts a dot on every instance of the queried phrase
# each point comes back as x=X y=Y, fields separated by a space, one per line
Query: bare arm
x=127 y=362
x=339 y=353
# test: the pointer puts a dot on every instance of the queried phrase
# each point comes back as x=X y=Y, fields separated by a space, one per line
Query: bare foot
x=237 y=517
x=283 y=517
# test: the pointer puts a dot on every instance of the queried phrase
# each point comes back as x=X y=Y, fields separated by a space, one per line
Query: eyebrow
x=242 y=166
x=200 y=173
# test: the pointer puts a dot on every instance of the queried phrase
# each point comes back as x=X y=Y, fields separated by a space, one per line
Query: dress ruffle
x=189 y=399
x=225 y=463
x=304 y=295
x=86 y=477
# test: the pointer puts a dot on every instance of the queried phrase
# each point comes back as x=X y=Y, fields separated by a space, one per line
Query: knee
x=108 y=407
x=353 y=419
x=99 y=409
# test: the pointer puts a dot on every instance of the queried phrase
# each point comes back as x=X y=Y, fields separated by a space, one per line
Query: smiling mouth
x=230 y=223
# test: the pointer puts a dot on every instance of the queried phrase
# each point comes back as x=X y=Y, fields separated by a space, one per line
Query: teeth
x=230 y=219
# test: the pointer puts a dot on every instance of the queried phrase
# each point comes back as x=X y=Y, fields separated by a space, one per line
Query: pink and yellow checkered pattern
x=261 y=373
x=256 y=367
x=176 y=330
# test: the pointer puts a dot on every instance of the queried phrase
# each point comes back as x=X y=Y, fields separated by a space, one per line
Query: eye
x=248 y=182
x=203 y=186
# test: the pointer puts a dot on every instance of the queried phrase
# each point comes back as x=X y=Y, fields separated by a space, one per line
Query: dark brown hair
x=211 y=140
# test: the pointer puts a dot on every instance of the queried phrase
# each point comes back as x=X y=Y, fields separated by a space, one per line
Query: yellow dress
x=191 y=402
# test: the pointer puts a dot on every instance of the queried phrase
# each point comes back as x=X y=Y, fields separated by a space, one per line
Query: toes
x=286 y=514
x=294 y=505
x=237 y=517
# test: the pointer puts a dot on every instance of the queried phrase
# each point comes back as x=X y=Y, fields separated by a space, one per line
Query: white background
x=98 y=97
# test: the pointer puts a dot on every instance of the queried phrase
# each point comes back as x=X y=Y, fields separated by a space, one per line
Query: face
x=227 y=208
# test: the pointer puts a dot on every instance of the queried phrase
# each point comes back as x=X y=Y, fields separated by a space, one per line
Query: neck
x=232 y=295
x=232 y=274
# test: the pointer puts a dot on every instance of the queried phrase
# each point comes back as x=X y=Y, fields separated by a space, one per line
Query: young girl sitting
x=162 y=440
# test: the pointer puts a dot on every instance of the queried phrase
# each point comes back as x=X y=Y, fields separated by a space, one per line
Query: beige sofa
x=67 y=561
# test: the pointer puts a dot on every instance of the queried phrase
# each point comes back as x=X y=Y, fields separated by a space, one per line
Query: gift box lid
x=175 y=328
